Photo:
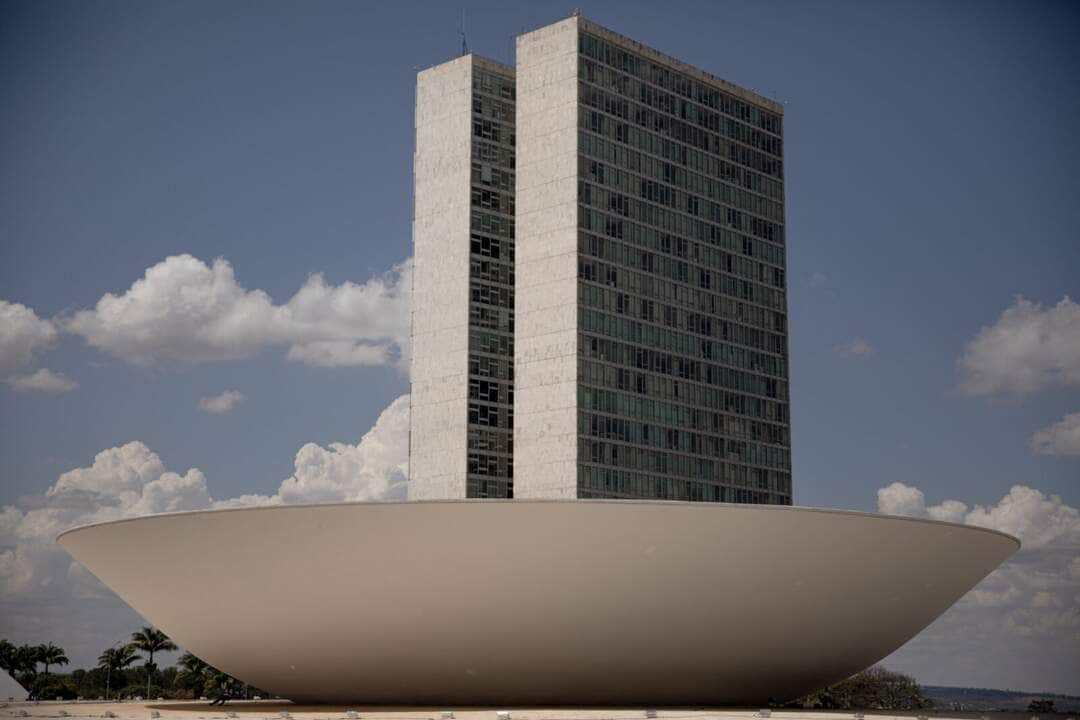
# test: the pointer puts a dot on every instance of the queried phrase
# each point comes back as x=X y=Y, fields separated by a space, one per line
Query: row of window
x=641 y=105
x=602 y=482
x=491 y=416
x=649 y=311
x=661 y=182
x=729 y=239
x=494 y=84
x=705 y=267
x=488 y=175
x=669 y=277
x=487 y=294
x=494 y=248
x=681 y=366
x=491 y=391
x=734 y=307
x=650 y=212
x=490 y=465
x=485 y=106
x=491 y=440
x=680 y=344
x=492 y=154
x=670 y=149
x=491 y=224
x=614 y=227
x=494 y=131
x=482 y=487
x=707 y=425
x=613 y=402
x=678 y=271
x=716 y=240
x=682 y=85
x=667 y=294
x=605 y=323
x=490 y=367
x=682 y=380
x=481 y=268
x=486 y=341
x=597 y=74
x=493 y=200
x=671 y=314
x=702 y=168
x=642 y=434
x=491 y=318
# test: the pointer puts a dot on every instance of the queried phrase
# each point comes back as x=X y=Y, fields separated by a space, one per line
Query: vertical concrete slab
x=545 y=357
x=440 y=314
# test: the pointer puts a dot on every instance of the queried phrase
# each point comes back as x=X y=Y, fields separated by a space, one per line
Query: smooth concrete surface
x=442 y=166
x=538 y=602
x=546 y=265
x=10 y=688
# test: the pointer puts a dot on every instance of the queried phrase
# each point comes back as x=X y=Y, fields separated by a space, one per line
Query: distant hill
x=976 y=699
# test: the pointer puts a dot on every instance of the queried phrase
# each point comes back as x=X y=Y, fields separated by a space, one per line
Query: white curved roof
x=10 y=688
x=538 y=602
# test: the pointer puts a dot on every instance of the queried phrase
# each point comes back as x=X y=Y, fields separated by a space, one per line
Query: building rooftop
x=676 y=64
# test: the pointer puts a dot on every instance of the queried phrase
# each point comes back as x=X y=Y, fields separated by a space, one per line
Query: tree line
x=114 y=678
x=192 y=678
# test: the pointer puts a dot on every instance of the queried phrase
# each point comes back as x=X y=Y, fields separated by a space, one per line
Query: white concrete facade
x=555 y=451
x=462 y=313
x=440 y=314
x=545 y=351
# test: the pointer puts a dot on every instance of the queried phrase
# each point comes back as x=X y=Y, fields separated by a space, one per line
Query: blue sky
x=932 y=172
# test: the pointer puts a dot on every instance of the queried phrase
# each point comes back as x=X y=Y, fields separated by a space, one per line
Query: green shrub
x=873 y=689
x=50 y=687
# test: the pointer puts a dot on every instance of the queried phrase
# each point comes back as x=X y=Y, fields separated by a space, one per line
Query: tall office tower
x=651 y=339
x=463 y=282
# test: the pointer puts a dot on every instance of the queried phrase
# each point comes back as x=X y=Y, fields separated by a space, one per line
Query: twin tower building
x=599 y=289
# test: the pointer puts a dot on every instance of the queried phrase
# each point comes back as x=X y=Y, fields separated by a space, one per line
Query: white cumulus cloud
x=186 y=311
x=1061 y=438
x=1025 y=512
x=856 y=348
x=24 y=335
x=901 y=499
x=221 y=404
x=121 y=482
x=43 y=380
x=376 y=468
x=44 y=594
x=1029 y=348
x=1025 y=614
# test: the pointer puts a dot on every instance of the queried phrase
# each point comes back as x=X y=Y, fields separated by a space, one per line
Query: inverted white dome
x=538 y=602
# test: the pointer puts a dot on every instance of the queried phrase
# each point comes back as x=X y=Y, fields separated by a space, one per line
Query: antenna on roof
x=461 y=32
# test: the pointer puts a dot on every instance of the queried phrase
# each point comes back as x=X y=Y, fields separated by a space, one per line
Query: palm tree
x=115 y=658
x=26 y=660
x=192 y=672
x=151 y=640
x=49 y=654
x=7 y=655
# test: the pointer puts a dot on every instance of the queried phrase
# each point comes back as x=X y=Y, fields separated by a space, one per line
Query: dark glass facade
x=682 y=302
x=491 y=287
